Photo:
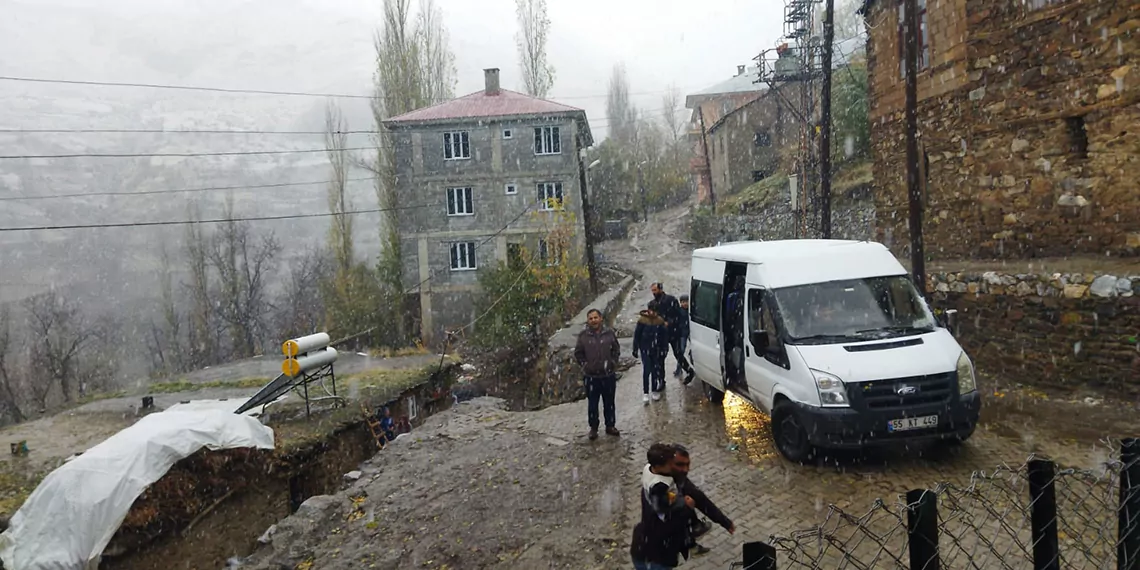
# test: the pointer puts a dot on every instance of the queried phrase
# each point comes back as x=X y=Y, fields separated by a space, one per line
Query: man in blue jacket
x=651 y=343
x=684 y=332
x=671 y=312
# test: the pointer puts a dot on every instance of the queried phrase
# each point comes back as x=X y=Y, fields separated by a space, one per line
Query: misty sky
x=325 y=45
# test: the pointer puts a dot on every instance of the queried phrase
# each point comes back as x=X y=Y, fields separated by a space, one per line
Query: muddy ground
x=472 y=490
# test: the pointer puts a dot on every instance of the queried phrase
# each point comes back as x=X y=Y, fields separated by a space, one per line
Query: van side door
x=704 y=331
x=766 y=359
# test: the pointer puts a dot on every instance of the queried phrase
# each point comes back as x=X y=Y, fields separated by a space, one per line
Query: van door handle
x=747 y=352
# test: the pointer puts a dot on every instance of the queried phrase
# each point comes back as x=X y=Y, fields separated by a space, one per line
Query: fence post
x=1043 y=515
x=922 y=529
x=759 y=556
x=1128 y=549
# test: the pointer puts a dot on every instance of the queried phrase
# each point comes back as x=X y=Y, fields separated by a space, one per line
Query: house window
x=549 y=253
x=758 y=175
x=512 y=189
x=456 y=145
x=923 y=38
x=459 y=202
x=762 y=138
x=463 y=256
x=508 y=134
x=549 y=196
x=547 y=140
x=514 y=255
x=1078 y=137
x=410 y=405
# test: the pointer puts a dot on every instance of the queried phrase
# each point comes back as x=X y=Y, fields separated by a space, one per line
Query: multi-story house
x=497 y=167
x=708 y=107
x=1029 y=125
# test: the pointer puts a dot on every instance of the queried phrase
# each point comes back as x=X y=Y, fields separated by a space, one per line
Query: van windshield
x=857 y=309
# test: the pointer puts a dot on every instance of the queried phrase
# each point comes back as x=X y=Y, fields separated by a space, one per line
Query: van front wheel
x=714 y=394
x=789 y=434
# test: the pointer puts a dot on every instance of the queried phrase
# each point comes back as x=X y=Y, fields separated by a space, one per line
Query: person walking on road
x=597 y=353
x=671 y=312
x=651 y=343
x=684 y=332
x=661 y=538
x=685 y=486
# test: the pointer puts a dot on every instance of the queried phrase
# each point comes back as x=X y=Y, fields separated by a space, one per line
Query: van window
x=853 y=310
x=704 y=304
x=758 y=318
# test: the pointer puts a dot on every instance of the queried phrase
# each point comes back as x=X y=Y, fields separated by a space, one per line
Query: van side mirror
x=759 y=340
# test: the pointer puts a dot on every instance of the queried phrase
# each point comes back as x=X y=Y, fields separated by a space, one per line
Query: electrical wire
x=211 y=221
x=176 y=191
x=181 y=154
x=247 y=91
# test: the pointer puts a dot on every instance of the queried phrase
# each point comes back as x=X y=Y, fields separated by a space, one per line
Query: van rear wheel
x=714 y=394
x=789 y=435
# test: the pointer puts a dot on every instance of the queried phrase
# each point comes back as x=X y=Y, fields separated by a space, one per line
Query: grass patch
x=852 y=175
x=757 y=196
x=389 y=352
x=15 y=487
x=187 y=386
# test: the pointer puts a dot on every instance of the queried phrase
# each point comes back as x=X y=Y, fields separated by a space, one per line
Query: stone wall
x=851 y=218
x=1034 y=154
x=1073 y=332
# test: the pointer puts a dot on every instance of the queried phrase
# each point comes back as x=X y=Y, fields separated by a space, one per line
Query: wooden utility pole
x=825 y=118
x=914 y=190
x=705 y=149
x=588 y=221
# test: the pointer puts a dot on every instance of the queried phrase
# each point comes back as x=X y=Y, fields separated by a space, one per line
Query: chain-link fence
x=1036 y=515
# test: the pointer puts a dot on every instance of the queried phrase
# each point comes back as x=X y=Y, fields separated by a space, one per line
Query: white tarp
x=71 y=516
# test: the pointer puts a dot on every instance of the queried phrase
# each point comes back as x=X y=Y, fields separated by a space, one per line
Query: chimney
x=491 y=76
x=739 y=70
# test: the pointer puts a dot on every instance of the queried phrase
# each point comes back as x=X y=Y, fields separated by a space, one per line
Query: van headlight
x=832 y=392
x=966 y=381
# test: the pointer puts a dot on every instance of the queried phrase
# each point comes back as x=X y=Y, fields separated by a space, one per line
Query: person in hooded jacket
x=651 y=343
x=661 y=539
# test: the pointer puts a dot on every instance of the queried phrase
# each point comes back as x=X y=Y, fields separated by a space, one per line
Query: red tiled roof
x=479 y=104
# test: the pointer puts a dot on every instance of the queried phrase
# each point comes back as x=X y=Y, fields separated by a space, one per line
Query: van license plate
x=906 y=424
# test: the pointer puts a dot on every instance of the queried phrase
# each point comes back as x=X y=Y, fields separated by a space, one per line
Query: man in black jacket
x=671 y=312
x=661 y=539
x=686 y=487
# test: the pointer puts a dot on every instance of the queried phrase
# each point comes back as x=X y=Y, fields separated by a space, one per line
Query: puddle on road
x=748 y=429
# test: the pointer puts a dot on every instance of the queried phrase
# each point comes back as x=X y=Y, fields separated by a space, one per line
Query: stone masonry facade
x=1029 y=126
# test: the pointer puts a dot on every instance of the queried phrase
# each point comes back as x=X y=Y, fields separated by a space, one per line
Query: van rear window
x=704 y=305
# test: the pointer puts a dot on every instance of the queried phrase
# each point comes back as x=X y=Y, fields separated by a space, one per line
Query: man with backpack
x=671 y=312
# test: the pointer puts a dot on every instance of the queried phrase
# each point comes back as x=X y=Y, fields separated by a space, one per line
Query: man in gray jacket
x=597 y=353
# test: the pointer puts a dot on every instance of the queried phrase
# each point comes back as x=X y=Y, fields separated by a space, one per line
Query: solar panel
x=270 y=392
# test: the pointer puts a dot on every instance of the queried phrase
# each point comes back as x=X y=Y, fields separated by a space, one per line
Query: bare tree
x=165 y=343
x=243 y=263
x=203 y=342
x=671 y=120
x=620 y=112
x=59 y=333
x=340 y=232
x=534 y=28
x=302 y=307
x=9 y=401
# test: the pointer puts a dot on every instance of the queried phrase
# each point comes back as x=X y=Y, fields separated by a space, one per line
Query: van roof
x=787 y=263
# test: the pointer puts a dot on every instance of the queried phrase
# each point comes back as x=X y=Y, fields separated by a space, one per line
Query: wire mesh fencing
x=1036 y=515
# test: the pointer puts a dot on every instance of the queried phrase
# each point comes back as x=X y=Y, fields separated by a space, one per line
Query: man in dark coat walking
x=597 y=353
x=671 y=312
x=686 y=487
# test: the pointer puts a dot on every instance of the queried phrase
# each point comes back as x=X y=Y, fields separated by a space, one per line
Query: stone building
x=754 y=141
x=1029 y=126
x=497 y=165
x=708 y=107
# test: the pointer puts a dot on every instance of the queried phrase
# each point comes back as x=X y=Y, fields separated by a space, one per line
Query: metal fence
x=1033 y=516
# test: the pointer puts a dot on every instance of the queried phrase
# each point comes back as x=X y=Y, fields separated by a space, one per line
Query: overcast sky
x=325 y=45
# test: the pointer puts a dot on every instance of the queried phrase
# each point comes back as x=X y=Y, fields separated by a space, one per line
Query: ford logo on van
x=906 y=390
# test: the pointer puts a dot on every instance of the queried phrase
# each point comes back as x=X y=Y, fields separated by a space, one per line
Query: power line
x=247 y=91
x=212 y=221
x=181 y=154
x=177 y=191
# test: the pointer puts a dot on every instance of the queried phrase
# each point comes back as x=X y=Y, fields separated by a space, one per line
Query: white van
x=831 y=339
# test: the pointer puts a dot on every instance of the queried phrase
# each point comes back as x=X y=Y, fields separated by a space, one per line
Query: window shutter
x=538 y=140
x=470 y=205
x=454 y=256
x=447 y=145
x=555 y=140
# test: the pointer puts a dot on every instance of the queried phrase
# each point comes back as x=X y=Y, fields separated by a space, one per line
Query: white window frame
x=547 y=140
x=461 y=256
x=508 y=134
x=413 y=409
x=511 y=189
x=460 y=201
x=548 y=191
x=549 y=254
x=453 y=145
x=923 y=37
